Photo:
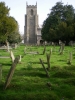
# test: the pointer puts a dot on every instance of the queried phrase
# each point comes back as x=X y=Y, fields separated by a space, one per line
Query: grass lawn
x=30 y=82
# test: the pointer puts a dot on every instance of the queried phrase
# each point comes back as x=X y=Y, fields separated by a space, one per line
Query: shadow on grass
x=55 y=68
x=70 y=81
x=62 y=60
x=4 y=64
x=1 y=86
x=63 y=74
x=28 y=92
x=38 y=62
x=31 y=72
x=73 y=54
x=70 y=67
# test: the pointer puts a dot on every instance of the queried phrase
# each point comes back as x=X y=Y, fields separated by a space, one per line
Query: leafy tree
x=15 y=37
x=65 y=32
x=8 y=24
x=4 y=10
x=52 y=21
x=59 y=24
x=4 y=13
x=68 y=14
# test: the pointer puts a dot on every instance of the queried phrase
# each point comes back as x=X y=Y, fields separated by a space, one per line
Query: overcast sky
x=18 y=9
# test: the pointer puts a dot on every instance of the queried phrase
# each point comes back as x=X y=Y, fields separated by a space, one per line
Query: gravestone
x=44 y=68
x=44 y=50
x=12 y=56
x=7 y=46
x=11 y=72
x=20 y=59
x=70 y=58
x=15 y=45
x=61 y=49
x=60 y=42
x=48 y=59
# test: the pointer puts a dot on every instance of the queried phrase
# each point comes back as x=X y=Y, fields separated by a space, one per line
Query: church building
x=32 y=31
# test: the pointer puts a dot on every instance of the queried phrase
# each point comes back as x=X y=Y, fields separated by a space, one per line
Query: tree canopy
x=8 y=24
x=59 y=23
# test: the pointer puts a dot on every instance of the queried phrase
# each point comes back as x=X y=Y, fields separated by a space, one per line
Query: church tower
x=31 y=24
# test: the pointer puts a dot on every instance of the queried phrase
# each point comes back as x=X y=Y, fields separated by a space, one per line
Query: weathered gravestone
x=44 y=50
x=20 y=59
x=12 y=56
x=15 y=45
x=48 y=59
x=11 y=72
x=7 y=46
x=70 y=58
x=61 y=49
x=44 y=68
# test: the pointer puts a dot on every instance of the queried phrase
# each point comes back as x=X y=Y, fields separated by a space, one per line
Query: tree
x=15 y=37
x=68 y=14
x=54 y=18
x=65 y=32
x=4 y=13
x=8 y=24
x=59 y=23
x=4 y=10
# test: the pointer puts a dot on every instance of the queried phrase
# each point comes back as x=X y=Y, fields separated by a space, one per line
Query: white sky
x=18 y=9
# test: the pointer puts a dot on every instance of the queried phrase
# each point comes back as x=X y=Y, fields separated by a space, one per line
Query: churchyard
x=37 y=73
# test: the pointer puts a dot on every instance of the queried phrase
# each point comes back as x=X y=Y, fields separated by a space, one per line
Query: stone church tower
x=31 y=24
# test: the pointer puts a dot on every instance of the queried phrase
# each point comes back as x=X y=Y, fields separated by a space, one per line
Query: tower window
x=31 y=11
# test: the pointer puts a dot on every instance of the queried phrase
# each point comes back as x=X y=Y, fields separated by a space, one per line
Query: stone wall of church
x=31 y=25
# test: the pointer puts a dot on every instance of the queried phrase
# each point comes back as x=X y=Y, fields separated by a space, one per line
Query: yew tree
x=59 y=23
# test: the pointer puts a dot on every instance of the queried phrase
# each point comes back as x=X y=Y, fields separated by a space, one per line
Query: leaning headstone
x=44 y=50
x=48 y=59
x=7 y=46
x=71 y=43
x=45 y=42
x=53 y=43
x=15 y=45
x=61 y=49
x=0 y=73
x=60 y=42
x=44 y=68
x=20 y=59
x=12 y=56
x=70 y=58
x=11 y=72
